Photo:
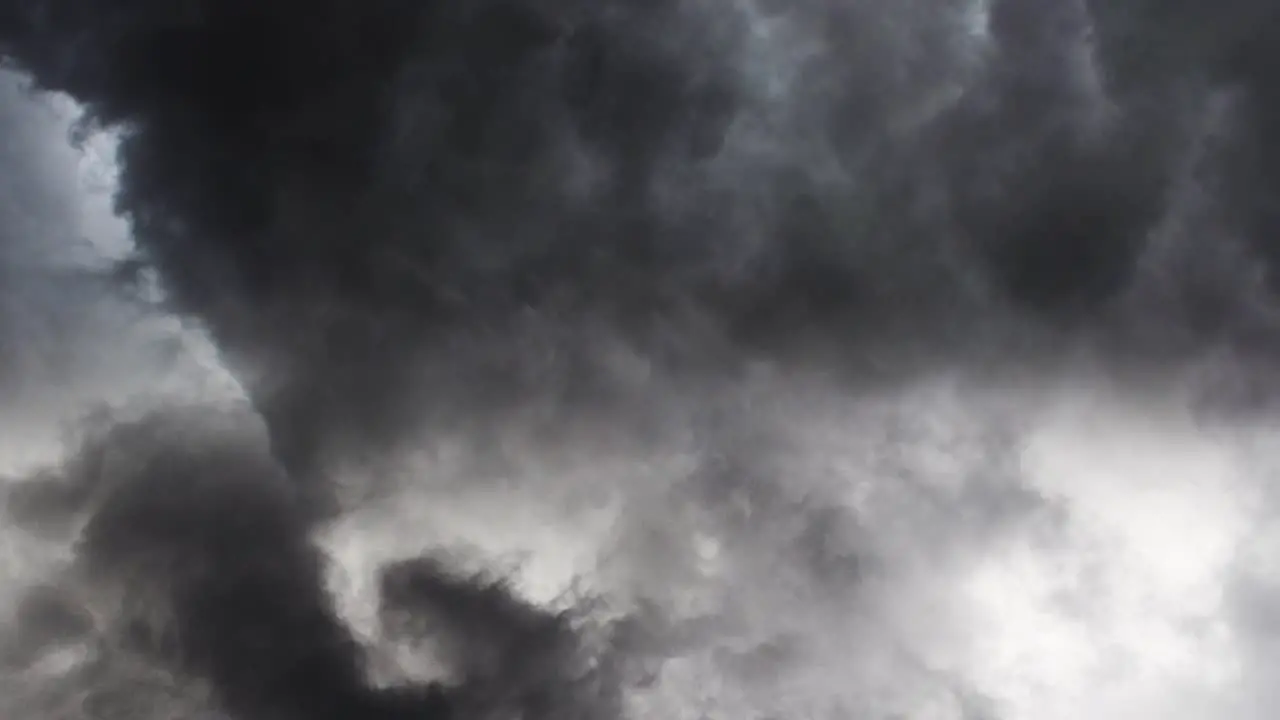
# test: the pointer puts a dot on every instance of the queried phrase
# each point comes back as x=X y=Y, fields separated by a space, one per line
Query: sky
x=810 y=359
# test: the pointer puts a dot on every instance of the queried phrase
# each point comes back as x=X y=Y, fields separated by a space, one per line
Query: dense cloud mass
x=339 y=191
x=628 y=229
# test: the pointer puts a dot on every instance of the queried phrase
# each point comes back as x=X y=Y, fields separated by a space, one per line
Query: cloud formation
x=340 y=193
x=507 y=224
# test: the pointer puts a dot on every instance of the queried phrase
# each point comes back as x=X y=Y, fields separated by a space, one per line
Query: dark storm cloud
x=390 y=211
x=199 y=541
x=345 y=193
x=328 y=186
x=195 y=553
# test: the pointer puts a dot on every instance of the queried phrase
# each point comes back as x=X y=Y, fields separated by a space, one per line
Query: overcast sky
x=1060 y=538
x=1136 y=586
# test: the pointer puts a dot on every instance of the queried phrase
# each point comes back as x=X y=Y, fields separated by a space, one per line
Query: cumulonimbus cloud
x=393 y=216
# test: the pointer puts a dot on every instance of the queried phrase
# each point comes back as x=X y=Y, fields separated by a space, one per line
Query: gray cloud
x=745 y=317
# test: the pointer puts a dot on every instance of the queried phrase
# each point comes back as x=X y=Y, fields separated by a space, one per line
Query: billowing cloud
x=746 y=322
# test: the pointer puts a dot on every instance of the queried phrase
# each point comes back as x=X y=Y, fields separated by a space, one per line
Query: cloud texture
x=761 y=299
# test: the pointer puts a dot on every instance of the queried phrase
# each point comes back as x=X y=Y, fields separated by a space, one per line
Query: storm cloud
x=431 y=241
x=339 y=193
